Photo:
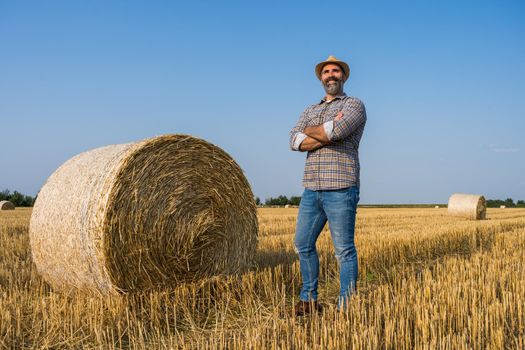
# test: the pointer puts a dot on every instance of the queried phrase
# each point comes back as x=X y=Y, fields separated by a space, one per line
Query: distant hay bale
x=436 y=207
x=502 y=207
x=143 y=215
x=6 y=205
x=287 y=206
x=471 y=206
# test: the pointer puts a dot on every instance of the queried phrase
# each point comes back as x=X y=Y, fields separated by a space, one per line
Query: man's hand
x=339 y=116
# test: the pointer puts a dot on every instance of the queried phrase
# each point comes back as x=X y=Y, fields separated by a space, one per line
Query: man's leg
x=310 y=223
x=340 y=207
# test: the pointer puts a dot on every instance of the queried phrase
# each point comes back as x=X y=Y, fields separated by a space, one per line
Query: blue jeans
x=339 y=208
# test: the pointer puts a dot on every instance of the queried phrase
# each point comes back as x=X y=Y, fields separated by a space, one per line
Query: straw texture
x=6 y=205
x=471 y=206
x=143 y=215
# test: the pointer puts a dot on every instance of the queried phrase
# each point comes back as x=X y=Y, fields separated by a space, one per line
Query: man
x=330 y=132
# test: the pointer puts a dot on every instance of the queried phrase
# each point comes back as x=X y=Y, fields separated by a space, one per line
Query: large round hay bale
x=143 y=215
x=471 y=206
x=6 y=205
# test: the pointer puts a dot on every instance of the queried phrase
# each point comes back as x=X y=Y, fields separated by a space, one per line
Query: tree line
x=295 y=200
x=281 y=200
x=21 y=200
x=509 y=203
x=17 y=198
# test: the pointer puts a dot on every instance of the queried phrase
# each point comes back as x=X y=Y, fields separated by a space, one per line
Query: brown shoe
x=303 y=308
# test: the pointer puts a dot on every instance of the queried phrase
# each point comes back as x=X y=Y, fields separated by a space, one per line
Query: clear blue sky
x=443 y=83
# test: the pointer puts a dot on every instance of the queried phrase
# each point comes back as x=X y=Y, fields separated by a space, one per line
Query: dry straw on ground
x=143 y=215
x=6 y=205
x=471 y=206
x=426 y=281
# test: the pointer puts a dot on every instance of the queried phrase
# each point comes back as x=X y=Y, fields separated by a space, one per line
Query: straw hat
x=332 y=59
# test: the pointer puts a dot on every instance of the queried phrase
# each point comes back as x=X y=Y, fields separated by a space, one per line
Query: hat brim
x=343 y=65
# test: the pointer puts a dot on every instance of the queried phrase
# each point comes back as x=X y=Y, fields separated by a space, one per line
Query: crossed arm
x=316 y=136
x=311 y=144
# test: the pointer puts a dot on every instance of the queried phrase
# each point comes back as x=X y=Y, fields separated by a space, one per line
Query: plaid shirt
x=336 y=165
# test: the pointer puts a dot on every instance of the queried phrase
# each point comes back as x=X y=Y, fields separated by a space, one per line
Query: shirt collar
x=340 y=96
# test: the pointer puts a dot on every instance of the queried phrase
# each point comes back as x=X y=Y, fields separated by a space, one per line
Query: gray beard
x=333 y=89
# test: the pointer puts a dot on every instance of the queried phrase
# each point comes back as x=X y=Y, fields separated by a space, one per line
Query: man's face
x=332 y=77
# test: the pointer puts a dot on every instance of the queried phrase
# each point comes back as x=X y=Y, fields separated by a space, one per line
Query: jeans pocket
x=353 y=197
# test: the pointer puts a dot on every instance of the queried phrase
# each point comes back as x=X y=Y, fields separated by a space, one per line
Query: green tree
x=281 y=200
x=4 y=195
x=294 y=200
x=17 y=198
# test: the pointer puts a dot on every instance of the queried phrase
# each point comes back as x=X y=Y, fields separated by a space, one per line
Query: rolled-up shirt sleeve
x=329 y=129
x=354 y=115
x=299 y=138
x=296 y=134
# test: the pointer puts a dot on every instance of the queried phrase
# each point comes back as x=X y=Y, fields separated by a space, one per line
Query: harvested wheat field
x=427 y=281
